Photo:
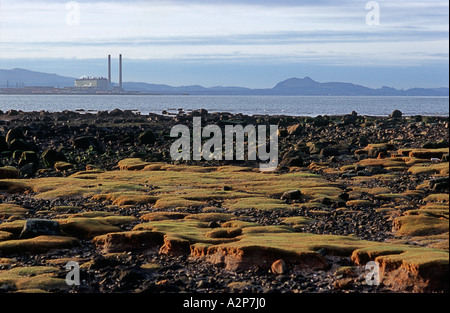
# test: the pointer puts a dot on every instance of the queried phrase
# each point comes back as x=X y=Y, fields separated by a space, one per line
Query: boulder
x=129 y=241
x=292 y=158
x=21 y=145
x=50 y=157
x=291 y=195
x=8 y=172
x=29 y=157
x=15 y=133
x=63 y=166
x=38 y=227
x=87 y=228
x=279 y=267
x=38 y=244
x=85 y=142
x=396 y=114
x=146 y=138
x=295 y=129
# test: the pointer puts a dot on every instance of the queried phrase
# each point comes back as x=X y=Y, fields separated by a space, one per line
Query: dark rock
x=116 y=112
x=146 y=138
x=291 y=195
x=3 y=144
x=15 y=133
x=50 y=157
x=396 y=114
x=38 y=227
x=329 y=151
x=86 y=142
x=22 y=145
x=28 y=170
x=292 y=158
x=29 y=157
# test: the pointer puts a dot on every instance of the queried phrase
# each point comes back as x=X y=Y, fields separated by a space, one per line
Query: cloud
x=410 y=31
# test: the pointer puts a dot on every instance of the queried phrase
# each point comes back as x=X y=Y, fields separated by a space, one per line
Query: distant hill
x=292 y=86
x=21 y=77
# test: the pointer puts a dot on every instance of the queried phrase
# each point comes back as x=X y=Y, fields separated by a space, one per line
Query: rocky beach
x=101 y=189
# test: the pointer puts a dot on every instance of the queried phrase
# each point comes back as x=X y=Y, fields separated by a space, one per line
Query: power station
x=84 y=85
x=101 y=84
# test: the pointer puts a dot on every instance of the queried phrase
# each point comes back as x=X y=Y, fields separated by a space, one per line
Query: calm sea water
x=272 y=105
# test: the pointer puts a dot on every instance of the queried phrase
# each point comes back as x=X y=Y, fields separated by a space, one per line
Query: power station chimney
x=120 y=71
x=109 y=68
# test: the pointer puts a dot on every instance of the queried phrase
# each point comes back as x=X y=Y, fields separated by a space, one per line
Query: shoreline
x=348 y=189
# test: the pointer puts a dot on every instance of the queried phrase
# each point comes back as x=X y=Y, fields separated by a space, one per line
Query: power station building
x=101 y=84
x=98 y=83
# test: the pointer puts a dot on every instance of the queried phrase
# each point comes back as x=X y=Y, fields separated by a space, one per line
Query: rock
x=86 y=142
x=116 y=112
x=63 y=166
x=315 y=147
x=396 y=114
x=8 y=172
x=344 y=283
x=38 y=227
x=29 y=157
x=28 y=170
x=292 y=158
x=87 y=228
x=21 y=145
x=15 y=133
x=129 y=241
x=38 y=244
x=291 y=195
x=175 y=246
x=295 y=129
x=146 y=138
x=279 y=267
x=3 y=144
x=50 y=157
x=329 y=151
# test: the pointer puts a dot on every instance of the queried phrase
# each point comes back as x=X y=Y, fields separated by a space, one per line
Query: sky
x=248 y=43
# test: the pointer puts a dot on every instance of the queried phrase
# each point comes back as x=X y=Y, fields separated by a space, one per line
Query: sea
x=248 y=105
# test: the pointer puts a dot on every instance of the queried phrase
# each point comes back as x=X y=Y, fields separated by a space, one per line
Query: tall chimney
x=120 y=71
x=109 y=68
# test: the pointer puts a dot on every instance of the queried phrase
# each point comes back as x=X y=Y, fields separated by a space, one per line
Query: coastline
x=368 y=183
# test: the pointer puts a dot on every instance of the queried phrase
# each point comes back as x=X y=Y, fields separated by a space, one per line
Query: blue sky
x=252 y=43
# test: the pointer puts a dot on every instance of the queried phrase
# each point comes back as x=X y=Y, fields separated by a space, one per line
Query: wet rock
x=39 y=227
